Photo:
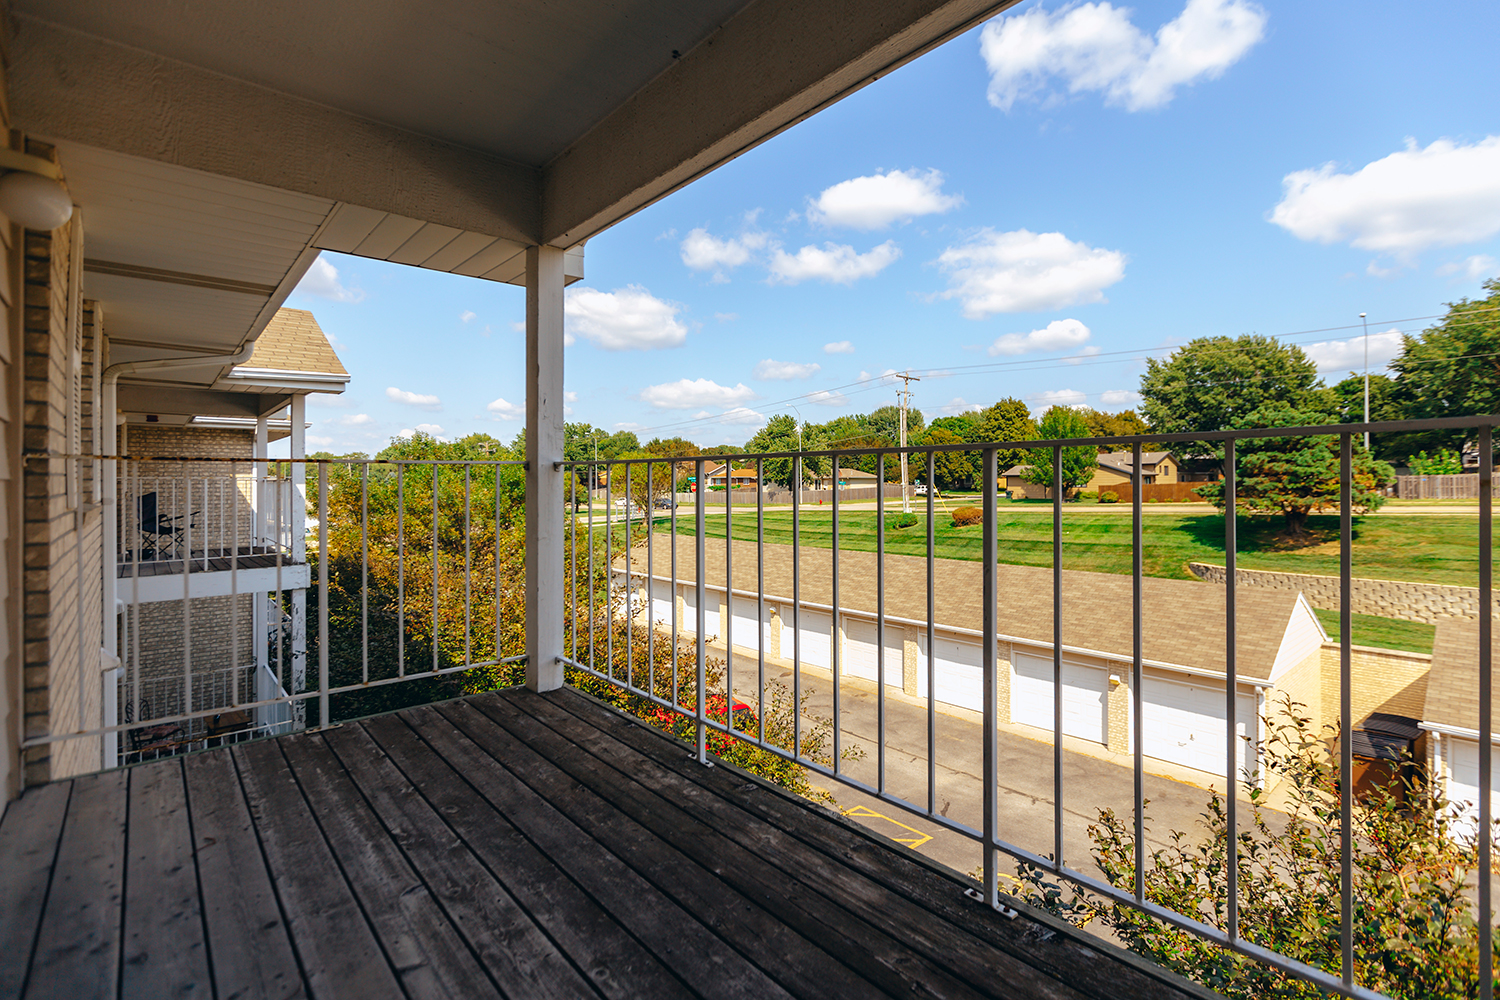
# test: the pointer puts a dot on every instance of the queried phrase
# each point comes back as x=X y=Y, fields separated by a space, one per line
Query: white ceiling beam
x=766 y=69
x=65 y=85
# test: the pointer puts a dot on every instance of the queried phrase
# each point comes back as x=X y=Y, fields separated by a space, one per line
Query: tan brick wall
x=1119 y=708
x=1384 y=680
x=1304 y=684
x=63 y=591
x=1410 y=601
x=153 y=681
x=219 y=496
x=11 y=503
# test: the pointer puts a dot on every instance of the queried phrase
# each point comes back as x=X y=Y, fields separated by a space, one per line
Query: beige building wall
x=219 y=495
x=1384 y=680
x=62 y=626
x=12 y=421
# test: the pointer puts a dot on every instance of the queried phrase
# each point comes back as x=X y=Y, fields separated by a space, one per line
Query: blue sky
x=1028 y=211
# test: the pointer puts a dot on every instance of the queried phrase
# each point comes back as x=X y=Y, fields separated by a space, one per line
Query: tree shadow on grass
x=1264 y=533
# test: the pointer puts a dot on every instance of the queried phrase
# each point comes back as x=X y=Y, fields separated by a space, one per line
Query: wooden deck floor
x=510 y=845
x=214 y=561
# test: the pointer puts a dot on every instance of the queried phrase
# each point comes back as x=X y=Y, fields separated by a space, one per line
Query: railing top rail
x=241 y=460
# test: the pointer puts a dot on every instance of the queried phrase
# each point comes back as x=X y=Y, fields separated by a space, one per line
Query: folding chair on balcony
x=161 y=535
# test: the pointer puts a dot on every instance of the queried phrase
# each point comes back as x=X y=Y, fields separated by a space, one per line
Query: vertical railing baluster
x=880 y=618
x=324 y=718
x=676 y=647
x=435 y=619
x=989 y=662
x=572 y=565
x=1486 y=717
x=629 y=610
x=1057 y=645
x=572 y=562
x=609 y=571
x=1231 y=692
x=468 y=568
x=837 y=634
x=931 y=657
x=726 y=620
x=700 y=551
x=364 y=573
x=650 y=578
x=1137 y=675
x=593 y=584
x=187 y=614
x=400 y=569
x=760 y=596
x=797 y=465
x=1347 y=846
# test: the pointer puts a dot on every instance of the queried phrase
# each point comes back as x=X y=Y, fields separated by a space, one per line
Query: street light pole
x=1367 y=376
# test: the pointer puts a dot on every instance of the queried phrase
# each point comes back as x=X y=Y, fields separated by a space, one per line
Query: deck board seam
x=124 y=885
x=260 y=844
x=208 y=944
x=338 y=864
x=36 y=933
x=731 y=892
x=566 y=873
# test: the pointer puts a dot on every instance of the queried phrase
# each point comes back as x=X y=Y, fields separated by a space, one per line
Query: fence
x=1456 y=487
x=1159 y=492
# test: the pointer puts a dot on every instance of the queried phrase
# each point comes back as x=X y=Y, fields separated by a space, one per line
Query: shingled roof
x=1183 y=621
x=293 y=342
x=1453 y=684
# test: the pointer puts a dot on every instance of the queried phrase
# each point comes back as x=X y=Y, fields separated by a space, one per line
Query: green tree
x=1452 y=369
x=673 y=447
x=1295 y=476
x=1007 y=420
x=886 y=422
x=780 y=434
x=951 y=470
x=1415 y=936
x=1213 y=382
x=1078 y=462
x=1387 y=402
x=1443 y=462
x=962 y=424
x=1120 y=424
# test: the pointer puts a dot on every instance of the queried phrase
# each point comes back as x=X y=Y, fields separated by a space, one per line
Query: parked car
x=666 y=502
x=920 y=489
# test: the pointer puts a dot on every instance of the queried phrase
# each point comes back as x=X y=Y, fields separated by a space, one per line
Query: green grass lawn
x=1435 y=549
x=1386 y=633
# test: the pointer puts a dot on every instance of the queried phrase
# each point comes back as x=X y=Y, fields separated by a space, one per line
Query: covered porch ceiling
x=215 y=148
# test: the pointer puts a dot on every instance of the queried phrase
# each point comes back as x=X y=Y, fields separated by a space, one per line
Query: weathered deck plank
x=78 y=947
x=28 y=846
x=509 y=845
x=251 y=953
x=164 y=935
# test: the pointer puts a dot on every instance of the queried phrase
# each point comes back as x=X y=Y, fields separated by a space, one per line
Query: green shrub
x=964 y=516
x=896 y=521
x=1109 y=496
x=1088 y=496
x=1153 y=500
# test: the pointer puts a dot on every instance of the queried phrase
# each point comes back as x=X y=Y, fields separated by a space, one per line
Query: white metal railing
x=611 y=533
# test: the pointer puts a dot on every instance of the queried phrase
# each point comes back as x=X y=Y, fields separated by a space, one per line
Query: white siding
x=816 y=628
x=1085 y=709
x=1184 y=723
x=1463 y=783
x=747 y=631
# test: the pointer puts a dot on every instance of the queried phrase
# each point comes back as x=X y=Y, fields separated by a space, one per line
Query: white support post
x=298 y=521
x=544 y=477
x=262 y=496
x=259 y=623
x=109 y=552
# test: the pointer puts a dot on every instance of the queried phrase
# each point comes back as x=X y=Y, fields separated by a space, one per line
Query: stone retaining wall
x=1415 y=602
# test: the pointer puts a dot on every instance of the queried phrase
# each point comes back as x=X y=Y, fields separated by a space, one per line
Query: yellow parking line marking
x=917 y=838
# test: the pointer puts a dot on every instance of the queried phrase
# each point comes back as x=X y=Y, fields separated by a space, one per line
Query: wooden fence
x=1457 y=487
x=1160 y=492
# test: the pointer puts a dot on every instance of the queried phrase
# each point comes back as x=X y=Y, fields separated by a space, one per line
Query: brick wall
x=1410 y=601
x=219 y=496
x=62 y=532
x=11 y=502
x=1384 y=680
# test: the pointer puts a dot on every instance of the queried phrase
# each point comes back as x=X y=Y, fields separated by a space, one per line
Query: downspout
x=110 y=604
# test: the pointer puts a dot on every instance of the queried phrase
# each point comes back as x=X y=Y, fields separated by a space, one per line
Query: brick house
x=1113 y=469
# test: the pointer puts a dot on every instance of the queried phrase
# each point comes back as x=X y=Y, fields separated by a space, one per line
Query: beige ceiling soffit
x=67 y=85
x=768 y=68
x=366 y=232
x=159 y=346
x=174 y=277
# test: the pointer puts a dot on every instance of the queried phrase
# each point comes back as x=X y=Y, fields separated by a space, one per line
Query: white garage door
x=861 y=653
x=958 y=673
x=816 y=628
x=661 y=604
x=747 y=631
x=1463 y=783
x=689 y=623
x=1085 y=709
x=1185 y=724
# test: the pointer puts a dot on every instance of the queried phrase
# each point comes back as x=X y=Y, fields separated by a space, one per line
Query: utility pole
x=904 y=395
x=1367 y=376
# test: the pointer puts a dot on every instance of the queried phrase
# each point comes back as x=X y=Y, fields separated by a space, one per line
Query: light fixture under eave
x=32 y=193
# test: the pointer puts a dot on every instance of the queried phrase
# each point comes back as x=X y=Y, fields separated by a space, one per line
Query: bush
x=1108 y=496
x=895 y=521
x=1153 y=500
x=965 y=516
x=1087 y=495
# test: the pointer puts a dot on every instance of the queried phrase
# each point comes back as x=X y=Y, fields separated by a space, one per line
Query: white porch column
x=298 y=522
x=544 y=480
x=259 y=498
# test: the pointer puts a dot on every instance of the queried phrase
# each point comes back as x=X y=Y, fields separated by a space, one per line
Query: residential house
x=1450 y=719
x=717 y=476
x=1113 y=469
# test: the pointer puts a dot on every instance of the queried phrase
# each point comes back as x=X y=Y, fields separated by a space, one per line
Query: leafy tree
x=1120 y=424
x=1453 y=368
x=951 y=470
x=1007 y=420
x=780 y=434
x=962 y=424
x=1387 y=402
x=673 y=447
x=1078 y=462
x=1295 y=476
x=1415 y=934
x=1213 y=382
x=886 y=422
x=1444 y=462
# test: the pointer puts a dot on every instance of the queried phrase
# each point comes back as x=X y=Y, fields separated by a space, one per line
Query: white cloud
x=322 y=280
x=432 y=430
x=627 y=425
x=413 y=399
x=726 y=317
x=519 y=326
x=685 y=394
x=703 y=251
x=322 y=442
x=320 y=399
x=1474 y=268
x=742 y=415
x=1057 y=397
x=958 y=405
x=785 y=371
x=836 y=263
x=1058 y=335
x=839 y=347
x=1022 y=271
x=1120 y=397
x=876 y=201
x=354 y=420
x=828 y=397
x=1087 y=352
x=1339 y=357
x=885 y=377
x=1094 y=47
x=1445 y=195
x=626 y=319
x=506 y=410
x=466 y=315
